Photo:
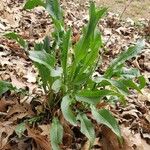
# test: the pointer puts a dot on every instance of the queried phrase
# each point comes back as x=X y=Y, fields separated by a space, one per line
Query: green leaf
x=142 y=82
x=95 y=96
x=103 y=116
x=126 y=55
x=87 y=127
x=64 y=53
x=46 y=44
x=53 y=7
x=17 y=38
x=57 y=72
x=83 y=45
x=82 y=78
x=43 y=58
x=130 y=84
x=56 y=85
x=44 y=73
x=5 y=86
x=30 y=4
x=20 y=129
x=88 y=63
x=115 y=84
x=130 y=73
x=66 y=110
x=122 y=85
x=38 y=46
x=56 y=134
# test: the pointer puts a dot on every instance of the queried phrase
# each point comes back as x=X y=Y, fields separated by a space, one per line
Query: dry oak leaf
x=134 y=141
x=19 y=111
x=110 y=141
x=4 y=104
x=6 y=130
x=42 y=141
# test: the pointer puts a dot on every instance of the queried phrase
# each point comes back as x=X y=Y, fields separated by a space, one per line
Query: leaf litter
x=15 y=66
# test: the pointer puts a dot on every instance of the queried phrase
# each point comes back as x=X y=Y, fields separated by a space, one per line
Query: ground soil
x=137 y=9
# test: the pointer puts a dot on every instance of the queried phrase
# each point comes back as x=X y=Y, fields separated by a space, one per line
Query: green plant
x=66 y=71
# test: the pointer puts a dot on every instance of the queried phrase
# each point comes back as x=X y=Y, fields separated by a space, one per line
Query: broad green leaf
x=56 y=134
x=17 y=38
x=43 y=58
x=142 y=82
x=53 y=7
x=30 y=4
x=38 y=46
x=130 y=73
x=5 y=86
x=57 y=72
x=81 y=78
x=56 y=85
x=66 y=110
x=130 y=84
x=115 y=84
x=44 y=73
x=103 y=116
x=46 y=44
x=64 y=52
x=87 y=127
x=20 y=129
x=95 y=96
x=126 y=55
x=83 y=45
x=121 y=87
x=91 y=58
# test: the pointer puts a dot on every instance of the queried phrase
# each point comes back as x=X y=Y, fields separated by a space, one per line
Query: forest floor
x=15 y=66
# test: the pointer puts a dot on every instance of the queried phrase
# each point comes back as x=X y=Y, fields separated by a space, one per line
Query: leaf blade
x=103 y=116
x=126 y=55
x=87 y=127
x=56 y=134
x=30 y=4
x=17 y=38
x=66 y=110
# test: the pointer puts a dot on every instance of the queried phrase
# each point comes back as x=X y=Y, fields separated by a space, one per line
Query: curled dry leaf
x=19 y=111
x=6 y=130
x=109 y=140
x=41 y=141
x=68 y=133
x=4 y=104
x=134 y=141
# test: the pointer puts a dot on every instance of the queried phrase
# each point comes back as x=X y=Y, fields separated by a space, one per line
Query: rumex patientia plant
x=66 y=71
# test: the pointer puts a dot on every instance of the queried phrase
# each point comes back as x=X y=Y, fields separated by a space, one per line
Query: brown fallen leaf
x=68 y=133
x=6 y=130
x=134 y=141
x=110 y=141
x=16 y=109
x=41 y=141
x=4 y=104
x=17 y=82
x=19 y=111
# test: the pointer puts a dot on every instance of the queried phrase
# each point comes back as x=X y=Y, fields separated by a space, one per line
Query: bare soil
x=136 y=10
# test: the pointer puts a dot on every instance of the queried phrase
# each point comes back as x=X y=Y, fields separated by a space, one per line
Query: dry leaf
x=42 y=141
x=4 y=104
x=6 y=130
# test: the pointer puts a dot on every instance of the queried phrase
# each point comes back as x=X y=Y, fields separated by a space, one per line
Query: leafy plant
x=67 y=76
x=5 y=86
